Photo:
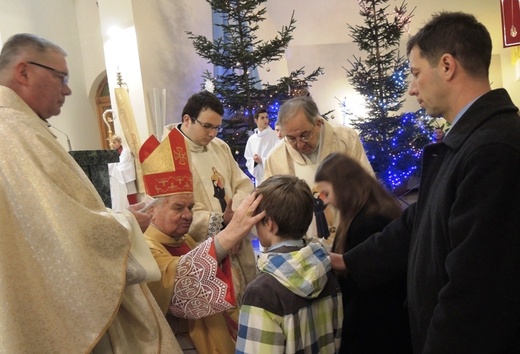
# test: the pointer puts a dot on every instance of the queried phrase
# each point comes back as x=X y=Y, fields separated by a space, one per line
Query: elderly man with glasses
x=219 y=183
x=73 y=272
x=308 y=140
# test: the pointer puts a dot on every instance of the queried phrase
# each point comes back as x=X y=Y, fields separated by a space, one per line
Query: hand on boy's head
x=242 y=222
x=249 y=205
x=244 y=217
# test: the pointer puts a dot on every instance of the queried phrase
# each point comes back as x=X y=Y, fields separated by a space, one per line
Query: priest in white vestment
x=219 y=183
x=258 y=145
x=309 y=138
x=123 y=190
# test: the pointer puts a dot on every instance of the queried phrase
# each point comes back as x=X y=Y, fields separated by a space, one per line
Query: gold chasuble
x=64 y=257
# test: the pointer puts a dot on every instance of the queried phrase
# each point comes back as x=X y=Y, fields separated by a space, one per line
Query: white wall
x=168 y=59
x=151 y=51
x=89 y=29
x=56 y=21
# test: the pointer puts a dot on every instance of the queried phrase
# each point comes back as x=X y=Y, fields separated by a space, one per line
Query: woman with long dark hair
x=375 y=320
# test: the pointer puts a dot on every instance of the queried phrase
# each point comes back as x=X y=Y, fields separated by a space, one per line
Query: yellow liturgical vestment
x=211 y=334
x=65 y=268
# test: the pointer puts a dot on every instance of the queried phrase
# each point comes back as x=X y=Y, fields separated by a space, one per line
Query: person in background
x=258 y=145
x=438 y=135
x=460 y=242
x=122 y=182
x=375 y=320
x=278 y=131
x=218 y=180
x=294 y=305
x=309 y=138
x=196 y=290
x=73 y=272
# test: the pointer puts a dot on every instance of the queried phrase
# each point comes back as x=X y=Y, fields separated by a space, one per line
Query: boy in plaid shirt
x=294 y=305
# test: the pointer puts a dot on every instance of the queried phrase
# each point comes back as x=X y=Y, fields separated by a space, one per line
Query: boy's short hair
x=288 y=201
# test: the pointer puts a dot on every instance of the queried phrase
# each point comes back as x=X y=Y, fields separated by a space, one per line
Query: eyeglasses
x=208 y=126
x=64 y=76
x=304 y=137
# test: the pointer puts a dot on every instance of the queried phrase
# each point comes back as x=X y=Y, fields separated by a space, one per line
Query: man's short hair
x=288 y=201
x=293 y=106
x=116 y=138
x=201 y=101
x=458 y=34
x=259 y=111
x=22 y=42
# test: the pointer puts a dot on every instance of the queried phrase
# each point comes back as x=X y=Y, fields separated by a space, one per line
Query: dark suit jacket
x=461 y=241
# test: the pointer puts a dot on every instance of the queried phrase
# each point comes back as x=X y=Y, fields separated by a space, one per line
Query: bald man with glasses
x=219 y=183
x=309 y=138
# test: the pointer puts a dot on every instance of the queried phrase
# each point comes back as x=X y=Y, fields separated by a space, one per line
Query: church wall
x=168 y=59
x=56 y=20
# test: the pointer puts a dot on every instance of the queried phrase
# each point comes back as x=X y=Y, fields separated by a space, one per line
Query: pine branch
x=238 y=54
x=392 y=141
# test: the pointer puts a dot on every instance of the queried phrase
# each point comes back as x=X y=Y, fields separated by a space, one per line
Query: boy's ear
x=272 y=226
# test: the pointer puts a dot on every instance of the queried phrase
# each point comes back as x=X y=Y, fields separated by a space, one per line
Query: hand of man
x=337 y=262
x=143 y=218
x=242 y=222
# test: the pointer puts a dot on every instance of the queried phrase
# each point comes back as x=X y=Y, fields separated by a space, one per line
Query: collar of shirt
x=462 y=111
x=286 y=243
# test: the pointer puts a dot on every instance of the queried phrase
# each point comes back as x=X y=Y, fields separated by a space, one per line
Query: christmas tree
x=236 y=56
x=393 y=142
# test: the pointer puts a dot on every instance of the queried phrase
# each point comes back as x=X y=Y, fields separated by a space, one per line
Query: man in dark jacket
x=460 y=242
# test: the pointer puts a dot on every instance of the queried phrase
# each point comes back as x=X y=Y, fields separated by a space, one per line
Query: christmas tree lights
x=393 y=141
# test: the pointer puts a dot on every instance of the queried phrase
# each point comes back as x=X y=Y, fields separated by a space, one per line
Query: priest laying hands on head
x=198 y=286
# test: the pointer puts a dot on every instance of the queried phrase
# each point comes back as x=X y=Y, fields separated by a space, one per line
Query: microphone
x=68 y=140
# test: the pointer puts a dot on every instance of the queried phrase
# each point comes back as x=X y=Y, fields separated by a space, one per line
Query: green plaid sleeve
x=259 y=331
